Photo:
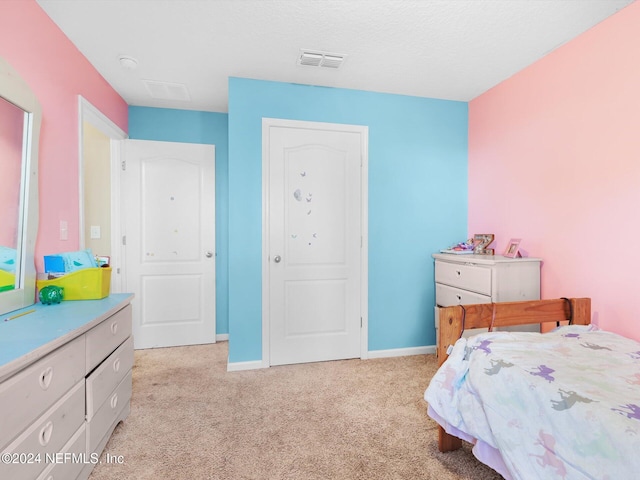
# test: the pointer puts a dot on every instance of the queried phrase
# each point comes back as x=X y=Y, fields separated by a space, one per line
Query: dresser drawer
x=26 y=395
x=106 y=337
x=46 y=436
x=466 y=277
x=108 y=413
x=103 y=381
x=68 y=463
x=447 y=296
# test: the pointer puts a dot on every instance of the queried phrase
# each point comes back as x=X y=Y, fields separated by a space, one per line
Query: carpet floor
x=349 y=419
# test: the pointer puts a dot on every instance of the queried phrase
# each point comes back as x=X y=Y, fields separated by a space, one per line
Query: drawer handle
x=116 y=365
x=114 y=327
x=458 y=272
x=459 y=297
x=45 y=434
x=45 y=378
x=114 y=401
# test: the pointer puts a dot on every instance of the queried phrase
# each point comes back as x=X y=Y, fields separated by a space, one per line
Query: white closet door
x=315 y=231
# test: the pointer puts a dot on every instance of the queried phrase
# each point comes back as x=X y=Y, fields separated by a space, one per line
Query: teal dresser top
x=43 y=328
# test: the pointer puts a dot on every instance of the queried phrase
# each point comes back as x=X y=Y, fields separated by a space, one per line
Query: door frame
x=87 y=112
x=267 y=124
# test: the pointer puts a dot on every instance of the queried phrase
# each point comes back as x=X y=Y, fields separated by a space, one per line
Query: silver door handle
x=277 y=259
x=209 y=254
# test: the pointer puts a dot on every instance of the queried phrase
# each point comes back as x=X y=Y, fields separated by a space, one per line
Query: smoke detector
x=316 y=58
x=127 y=62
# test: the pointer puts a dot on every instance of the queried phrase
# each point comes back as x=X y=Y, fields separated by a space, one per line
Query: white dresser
x=467 y=279
x=65 y=383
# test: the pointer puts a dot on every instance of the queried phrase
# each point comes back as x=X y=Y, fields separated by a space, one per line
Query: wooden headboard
x=504 y=315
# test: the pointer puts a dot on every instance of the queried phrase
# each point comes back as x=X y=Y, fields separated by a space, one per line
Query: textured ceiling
x=449 y=49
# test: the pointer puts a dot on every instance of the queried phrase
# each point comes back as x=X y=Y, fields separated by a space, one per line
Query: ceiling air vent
x=167 y=91
x=320 y=59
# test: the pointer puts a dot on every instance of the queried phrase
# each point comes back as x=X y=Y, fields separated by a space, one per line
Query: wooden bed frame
x=501 y=315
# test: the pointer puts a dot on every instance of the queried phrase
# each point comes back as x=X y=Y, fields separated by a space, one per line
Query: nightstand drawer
x=447 y=296
x=466 y=277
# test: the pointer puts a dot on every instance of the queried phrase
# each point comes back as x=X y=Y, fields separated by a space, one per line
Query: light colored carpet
x=351 y=419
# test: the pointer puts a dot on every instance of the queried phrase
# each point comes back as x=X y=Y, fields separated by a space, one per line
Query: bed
x=559 y=405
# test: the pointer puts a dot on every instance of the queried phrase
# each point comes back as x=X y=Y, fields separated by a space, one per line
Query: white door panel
x=315 y=228
x=315 y=216
x=167 y=234
x=169 y=198
x=314 y=307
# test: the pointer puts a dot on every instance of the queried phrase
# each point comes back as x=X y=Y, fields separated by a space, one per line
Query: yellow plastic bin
x=85 y=284
x=7 y=281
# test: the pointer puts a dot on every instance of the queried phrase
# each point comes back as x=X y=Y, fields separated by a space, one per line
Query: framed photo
x=513 y=248
x=103 y=261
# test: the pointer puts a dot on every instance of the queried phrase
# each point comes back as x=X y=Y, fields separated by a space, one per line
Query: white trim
x=266 y=305
x=363 y=130
x=98 y=119
x=402 y=352
x=117 y=256
x=240 y=366
x=90 y=114
x=394 y=352
x=16 y=91
x=364 y=251
x=222 y=337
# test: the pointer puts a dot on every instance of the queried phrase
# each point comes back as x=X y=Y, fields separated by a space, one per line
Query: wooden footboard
x=501 y=315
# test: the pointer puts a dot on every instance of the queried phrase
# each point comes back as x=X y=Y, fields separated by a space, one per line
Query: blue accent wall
x=417 y=201
x=187 y=126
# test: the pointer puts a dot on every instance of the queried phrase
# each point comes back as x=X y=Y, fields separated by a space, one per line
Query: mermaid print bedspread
x=562 y=405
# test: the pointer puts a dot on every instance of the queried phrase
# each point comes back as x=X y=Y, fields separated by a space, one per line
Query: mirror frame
x=15 y=90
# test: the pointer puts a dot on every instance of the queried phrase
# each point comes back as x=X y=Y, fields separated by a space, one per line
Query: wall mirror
x=20 y=118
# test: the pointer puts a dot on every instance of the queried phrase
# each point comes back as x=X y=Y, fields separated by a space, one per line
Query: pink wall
x=11 y=136
x=554 y=158
x=57 y=72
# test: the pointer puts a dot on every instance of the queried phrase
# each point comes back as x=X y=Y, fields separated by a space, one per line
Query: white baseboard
x=222 y=337
x=395 y=352
x=402 y=352
x=239 y=366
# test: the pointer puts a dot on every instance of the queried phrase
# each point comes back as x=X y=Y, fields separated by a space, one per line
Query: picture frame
x=513 y=248
x=103 y=261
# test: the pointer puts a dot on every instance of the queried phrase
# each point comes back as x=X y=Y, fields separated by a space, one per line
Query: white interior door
x=168 y=192
x=314 y=242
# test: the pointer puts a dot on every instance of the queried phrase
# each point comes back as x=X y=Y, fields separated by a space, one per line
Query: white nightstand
x=467 y=279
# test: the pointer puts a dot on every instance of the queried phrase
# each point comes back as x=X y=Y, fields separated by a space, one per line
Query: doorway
x=99 y=203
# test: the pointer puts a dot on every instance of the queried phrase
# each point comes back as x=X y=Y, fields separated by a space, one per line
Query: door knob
x=209 y=254
x=277 y=259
